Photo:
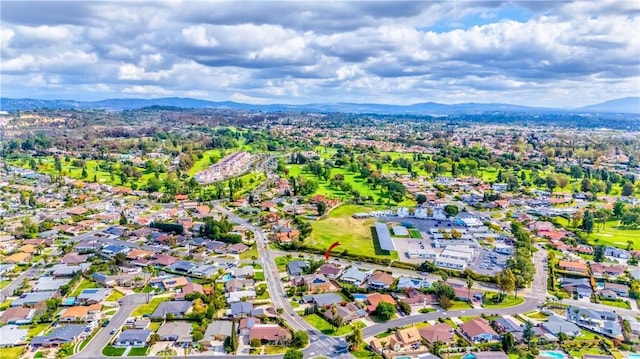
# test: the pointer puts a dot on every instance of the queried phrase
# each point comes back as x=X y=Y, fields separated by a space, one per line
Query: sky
x=536 y=53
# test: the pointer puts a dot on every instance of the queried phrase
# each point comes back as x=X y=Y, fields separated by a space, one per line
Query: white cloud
x=562 y=54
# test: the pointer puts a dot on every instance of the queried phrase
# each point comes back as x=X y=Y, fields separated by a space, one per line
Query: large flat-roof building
x=384 y=237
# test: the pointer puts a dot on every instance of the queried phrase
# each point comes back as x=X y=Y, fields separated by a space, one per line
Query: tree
x=123 y=219
x=421 y=198
x=385 y=311
x=300 y=339
x=527 y=333
x=445 y=302
x=551 y=183
x=508 y=342
x=627 y=189
x=619 y=209
x=506 y=281
x=469 y=286
x=355 y=338
x=587 y=222
x=598 y=253
x=436 y=348
x=585 y=186
x=322 y=207
x=451 y=210
x=292 y=353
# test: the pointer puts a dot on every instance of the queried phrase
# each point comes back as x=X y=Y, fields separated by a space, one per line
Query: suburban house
x=600 y=270
x=346 y=313
x=60 y=335
x=218 y=330
x=485 y=355
x=440 y=332
x=380 y=280
x=574 y=266
x=315 y=283
x=296 y=268
x=556 y=325
x=417 y=283
x=580 y=286
x=80 y=313
x=621 y=290
x=73 y=258
x=599 y=321
x=32 y=299
x=172 y=330
x=478 y=330
x=11 y=335
x=92 y=295
x=133 y=338
x=176 y=308
x=354 y=276
x=401 y=339
x=617 y=253
x=330 y=270
x=324 y=299
x=374 y=299
x=508 y=324
x=269 y=334
x=17 y=315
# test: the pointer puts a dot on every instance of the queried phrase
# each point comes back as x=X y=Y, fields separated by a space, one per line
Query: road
x=127 y=305
x=319 y=344
x=17 y=283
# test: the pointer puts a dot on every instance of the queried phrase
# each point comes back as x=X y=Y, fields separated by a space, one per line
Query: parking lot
x=488 y=262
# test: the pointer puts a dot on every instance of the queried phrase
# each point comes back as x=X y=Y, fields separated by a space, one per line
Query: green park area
x=11 y=352
x=356 y=236
x=611 y=234
x=356 y=182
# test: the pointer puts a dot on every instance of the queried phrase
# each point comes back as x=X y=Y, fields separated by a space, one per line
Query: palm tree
x=469 y=286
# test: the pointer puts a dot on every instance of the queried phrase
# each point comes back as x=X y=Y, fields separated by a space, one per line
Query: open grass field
x=354 y=235
x=205 y=161
x=148 y=308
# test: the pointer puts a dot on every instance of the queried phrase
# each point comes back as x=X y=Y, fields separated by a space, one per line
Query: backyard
x=326 y=328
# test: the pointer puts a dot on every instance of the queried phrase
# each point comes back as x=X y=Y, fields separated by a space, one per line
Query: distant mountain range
x=630 y=105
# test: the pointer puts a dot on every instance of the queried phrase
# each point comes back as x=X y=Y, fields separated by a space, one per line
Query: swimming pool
x=227 y=277
x=633 y=356
x=405 y=357
x=360 y=297
x=552 y=354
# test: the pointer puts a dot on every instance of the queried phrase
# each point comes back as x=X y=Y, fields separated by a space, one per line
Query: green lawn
x=536 y=315
x=148 y=308
x=459 y=305
x=11 y=353
x=4 y=283
x=615 y=303
x=414 y=233
x=113 y=351
x=326 y=328
x=258 y=276
x=363 y=353
x=114 y=296
x=35 y=329
x=250 y=254
x=138 y=352
x=282 y=261
x=84 y=284
x=204 y=162
x=354 y=235
x=509 y=301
